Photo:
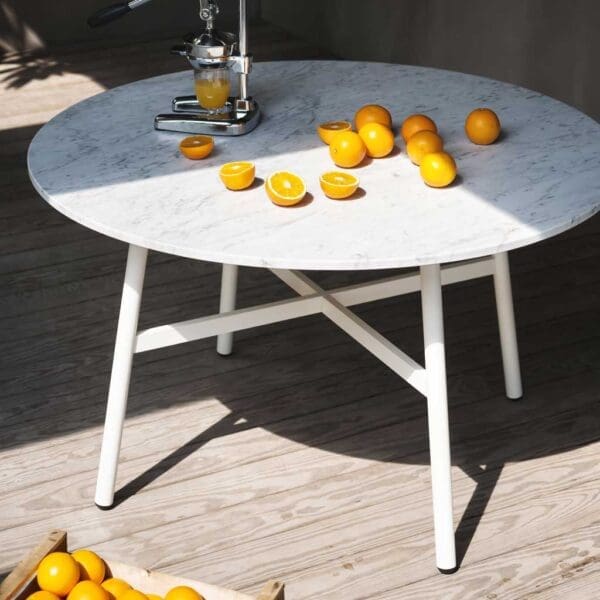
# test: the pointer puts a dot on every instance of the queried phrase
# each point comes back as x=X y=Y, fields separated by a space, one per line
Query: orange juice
x=212 y=94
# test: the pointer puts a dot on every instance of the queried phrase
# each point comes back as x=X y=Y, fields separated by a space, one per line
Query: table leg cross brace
x=402 y=364
x=313 y=300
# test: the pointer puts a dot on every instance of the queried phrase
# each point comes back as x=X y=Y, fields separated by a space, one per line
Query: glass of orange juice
x=213 y=86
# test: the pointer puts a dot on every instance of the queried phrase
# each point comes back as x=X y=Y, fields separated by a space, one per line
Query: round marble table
x=102 y=164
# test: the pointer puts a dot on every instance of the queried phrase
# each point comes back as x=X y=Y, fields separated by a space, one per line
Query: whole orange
x=378 y=139
x=183 y=592
x=132 y=595
x=115 y=587
x=347 y=149
x=372 y=113
x=438 y=169
x=42 y=595
x=416 y=123
x=58 y=573
x=88 y=590
x=90 y=564
x=422 y=143
x=482 y=126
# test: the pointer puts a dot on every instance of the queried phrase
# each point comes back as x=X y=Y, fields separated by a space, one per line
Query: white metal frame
x=312 y=299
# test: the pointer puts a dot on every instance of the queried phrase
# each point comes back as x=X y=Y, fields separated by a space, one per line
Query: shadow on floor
x=59 y=296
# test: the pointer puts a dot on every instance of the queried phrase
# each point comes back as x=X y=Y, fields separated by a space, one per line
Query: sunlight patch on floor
x=25 y=79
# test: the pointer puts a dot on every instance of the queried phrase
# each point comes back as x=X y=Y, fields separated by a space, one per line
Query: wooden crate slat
x=273 y=590
x=160 y=583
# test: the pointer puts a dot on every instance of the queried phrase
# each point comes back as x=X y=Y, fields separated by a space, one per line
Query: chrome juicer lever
x=115 y=11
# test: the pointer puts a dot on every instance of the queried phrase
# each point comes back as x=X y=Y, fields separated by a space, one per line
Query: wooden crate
x=22 y=580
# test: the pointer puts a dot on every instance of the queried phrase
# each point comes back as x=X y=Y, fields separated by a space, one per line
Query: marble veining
x=102 y=164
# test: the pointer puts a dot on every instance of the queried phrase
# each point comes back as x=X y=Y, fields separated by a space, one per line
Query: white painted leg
x=437 y=416
x=121 y=372
x=228 y=296
x=506 y=324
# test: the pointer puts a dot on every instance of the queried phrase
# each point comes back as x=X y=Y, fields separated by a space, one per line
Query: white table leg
x=120 y=376
x=229 y=279
x=437 y=416
x=506 y=324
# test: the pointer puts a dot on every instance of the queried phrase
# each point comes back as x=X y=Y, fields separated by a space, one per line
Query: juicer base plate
x=239 y=118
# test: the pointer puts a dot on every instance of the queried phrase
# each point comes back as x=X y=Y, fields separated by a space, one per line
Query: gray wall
x=28 y=24
x=548 y=45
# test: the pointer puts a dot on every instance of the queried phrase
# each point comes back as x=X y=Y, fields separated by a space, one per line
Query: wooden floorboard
x=300 y=456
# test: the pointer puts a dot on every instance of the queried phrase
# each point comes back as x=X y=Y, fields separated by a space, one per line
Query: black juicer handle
x=108 y=14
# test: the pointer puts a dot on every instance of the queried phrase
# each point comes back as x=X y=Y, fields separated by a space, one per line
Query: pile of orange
x=424 y=145
x=373 y=137
x=82 y=575
x=425 y=149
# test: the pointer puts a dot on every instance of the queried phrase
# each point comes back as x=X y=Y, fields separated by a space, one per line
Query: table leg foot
x=229 y=279
x=120 y=376
x=448 y=571
x=437 y=417
x=507 y=327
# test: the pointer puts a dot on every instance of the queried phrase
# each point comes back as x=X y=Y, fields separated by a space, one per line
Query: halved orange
x=285 y=188
x=237 y=175
x=327 y=131
x=338 y=185
x=197 y=147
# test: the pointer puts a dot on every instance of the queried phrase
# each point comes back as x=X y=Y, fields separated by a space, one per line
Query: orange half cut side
x=285 y=188
x=327 y=131
x=237 y=175
x=197 y=147
x=338 y=185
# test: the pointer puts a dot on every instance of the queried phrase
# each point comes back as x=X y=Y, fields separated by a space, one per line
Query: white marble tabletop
x=102 y=164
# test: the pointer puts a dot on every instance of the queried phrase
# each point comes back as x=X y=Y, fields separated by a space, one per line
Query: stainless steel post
x=243 y=43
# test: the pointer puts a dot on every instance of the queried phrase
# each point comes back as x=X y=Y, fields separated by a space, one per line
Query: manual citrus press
x=220 y=61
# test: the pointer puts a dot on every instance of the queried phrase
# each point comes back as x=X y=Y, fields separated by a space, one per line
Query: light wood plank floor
x=300 y=456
